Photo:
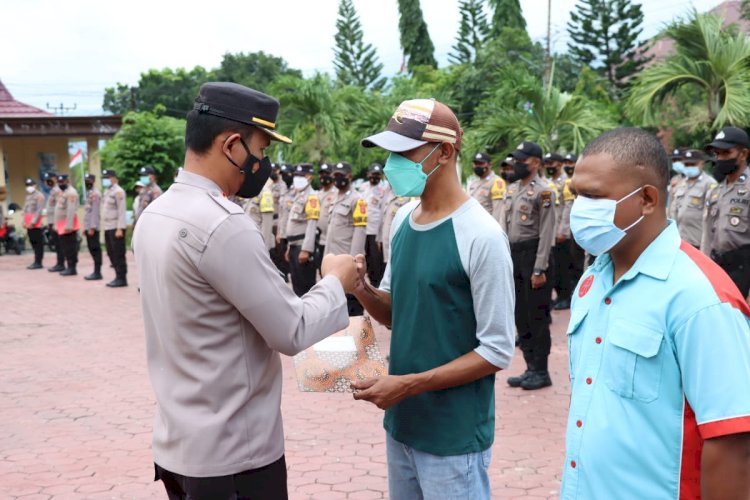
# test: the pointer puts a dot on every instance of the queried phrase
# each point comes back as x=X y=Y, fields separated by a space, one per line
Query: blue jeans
x=416 y=475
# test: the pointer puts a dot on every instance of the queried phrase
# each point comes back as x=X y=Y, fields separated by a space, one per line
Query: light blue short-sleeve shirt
x=659 y=362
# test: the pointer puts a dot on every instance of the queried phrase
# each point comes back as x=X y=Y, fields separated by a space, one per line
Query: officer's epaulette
x=226 y=204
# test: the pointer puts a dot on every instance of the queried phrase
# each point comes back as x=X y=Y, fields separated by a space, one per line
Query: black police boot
x=71 y=271
x=117 y=283
x=96 y=275
x=561 y=305
x=35 y=265
x=536 y=380
x=57 y=268
x=517 y=381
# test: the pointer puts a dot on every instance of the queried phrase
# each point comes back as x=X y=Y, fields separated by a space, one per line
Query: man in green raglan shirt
x=448 y=295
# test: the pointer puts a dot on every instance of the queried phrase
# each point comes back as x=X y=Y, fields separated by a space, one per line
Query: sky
x=55 y=53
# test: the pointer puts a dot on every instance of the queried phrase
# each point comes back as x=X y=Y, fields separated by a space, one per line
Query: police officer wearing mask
x=114 y=225
x=66 y=224
x=217 y=314
x=726 y=232
x=375 y=193
x=301 y=230
x=562 y=283
x=50 y=179
x=151 y=189
x=327 y=196
x=688 y=200
x=488 y=189
x=33 y=208
x=91 y=225
x=530 y=225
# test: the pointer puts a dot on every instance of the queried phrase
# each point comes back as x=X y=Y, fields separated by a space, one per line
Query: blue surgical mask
x=678 y=167
x=106 y=182
x=145 y=180
x=405 y=176
x=691 y=172
x=592 y=222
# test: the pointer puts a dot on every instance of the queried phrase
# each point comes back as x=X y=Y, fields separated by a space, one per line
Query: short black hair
x=634 y=147
x=201 y=130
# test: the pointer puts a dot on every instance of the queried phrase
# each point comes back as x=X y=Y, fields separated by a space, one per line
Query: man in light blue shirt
x=659 y=342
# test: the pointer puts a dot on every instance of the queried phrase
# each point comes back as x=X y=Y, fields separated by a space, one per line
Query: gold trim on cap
x=263 y=122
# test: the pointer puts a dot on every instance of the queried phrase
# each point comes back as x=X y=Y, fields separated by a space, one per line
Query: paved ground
x=76 y=406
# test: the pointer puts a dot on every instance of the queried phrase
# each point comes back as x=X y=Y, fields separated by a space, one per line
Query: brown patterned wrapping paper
x=320 y=370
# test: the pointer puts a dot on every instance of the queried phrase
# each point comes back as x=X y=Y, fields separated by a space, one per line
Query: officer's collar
x=197 y=180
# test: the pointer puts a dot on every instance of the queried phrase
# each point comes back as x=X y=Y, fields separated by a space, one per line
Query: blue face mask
x=106 y=182
x=678 y=167
x=592 y=222
x=691 y=172
x=145 y=180
x=405 y=176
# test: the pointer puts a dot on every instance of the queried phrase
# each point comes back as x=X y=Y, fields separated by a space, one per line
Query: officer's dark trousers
x=69 y=245
x=54 y=239
x=36 y=238
x=277 y=257
x=265 y=483
x=303 y=275
x=320 y=252
x=532 y=307
x=116 y=252
x=736 y=264
x=374 y=257
x=577 y=258
x=562 y=269
x=95 y=249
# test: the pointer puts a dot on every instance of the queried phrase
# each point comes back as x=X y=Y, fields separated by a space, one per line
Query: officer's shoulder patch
x=498 y=189
x=312 y=207
x=546 y=198
x=228 y=206
x=567 y=193
x=359 y=214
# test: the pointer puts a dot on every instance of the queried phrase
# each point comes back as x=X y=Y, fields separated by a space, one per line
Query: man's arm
x=725 y=468
x=72 y=208
x=376 y=302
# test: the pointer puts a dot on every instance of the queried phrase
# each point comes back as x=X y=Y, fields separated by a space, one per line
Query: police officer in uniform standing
x=726 y=231
x=285 y=205
x=151 y=189
x=114 y=224
x=561 y=252
x=213 y=303
x=488 y=189
x=688 y=201
x=392 y=204
x=302 y=230
x=33 y=209
x=374 y=195
x=530 y=225
x=50 y=178
x=66 y=223
x=327 y=194
x=91 y=225
x=347 y=223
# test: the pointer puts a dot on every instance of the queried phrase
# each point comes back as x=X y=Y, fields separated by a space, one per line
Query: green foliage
x=256 y=70
x=506 y=14
x=745 y=9
x=356 y=63
x=707 y=57
x=415 y=39
x=604 y=34
x=146 y=138
x=472 y=32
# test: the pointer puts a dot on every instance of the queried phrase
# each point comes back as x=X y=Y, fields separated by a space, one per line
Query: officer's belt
x=736 y=256
x=291 y=239
x=525 y=245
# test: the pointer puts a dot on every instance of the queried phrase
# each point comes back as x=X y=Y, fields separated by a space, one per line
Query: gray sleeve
x=39 y=209
x=120 y=199
x=492 y=288
x=547 y=219
x=237 y=265
x=266 y=224
x=72 y=209
x=96 y=211
x=308 y=244
x=358 y=240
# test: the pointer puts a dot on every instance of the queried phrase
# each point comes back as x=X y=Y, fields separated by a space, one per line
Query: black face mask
x=479 y=171
x=374 y=181
x=506 y=176
x=723 y=168
x=551 y=171
x=341 y=182
x=254 y=182
x=89 y=186
x=62 y=187
x=288 y=179
x=50 y=184
x=520 y=171
x=569 y=171
x=274 y=177
x=326 y=180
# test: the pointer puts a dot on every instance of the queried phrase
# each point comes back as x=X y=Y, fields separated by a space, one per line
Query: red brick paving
x=76 y=406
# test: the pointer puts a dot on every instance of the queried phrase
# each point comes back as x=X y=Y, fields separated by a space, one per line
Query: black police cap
x=481 y=158
x=147 y=170
x=527 y=149
x=730 y=137
x=554 y=157
x=89 y=178
x=375 y=168
x=303 y=169
x=324 y=168
x=240 y=104
x=571 y=157
x=342 y=167
x=62 y=177
x=30 y=182
x=50 y=175
x=108 y=173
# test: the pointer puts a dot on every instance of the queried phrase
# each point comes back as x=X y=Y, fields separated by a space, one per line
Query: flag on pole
x=76 y=159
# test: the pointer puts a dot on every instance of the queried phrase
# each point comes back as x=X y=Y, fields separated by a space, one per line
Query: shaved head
x=637 y=152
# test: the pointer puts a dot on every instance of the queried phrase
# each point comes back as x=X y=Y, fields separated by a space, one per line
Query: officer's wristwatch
x=538 y=272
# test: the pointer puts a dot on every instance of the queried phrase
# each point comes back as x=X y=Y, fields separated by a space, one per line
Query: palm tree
x=712 y=60
x=554 y=119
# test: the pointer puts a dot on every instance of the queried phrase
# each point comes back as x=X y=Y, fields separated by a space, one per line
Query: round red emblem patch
x=585 y=286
